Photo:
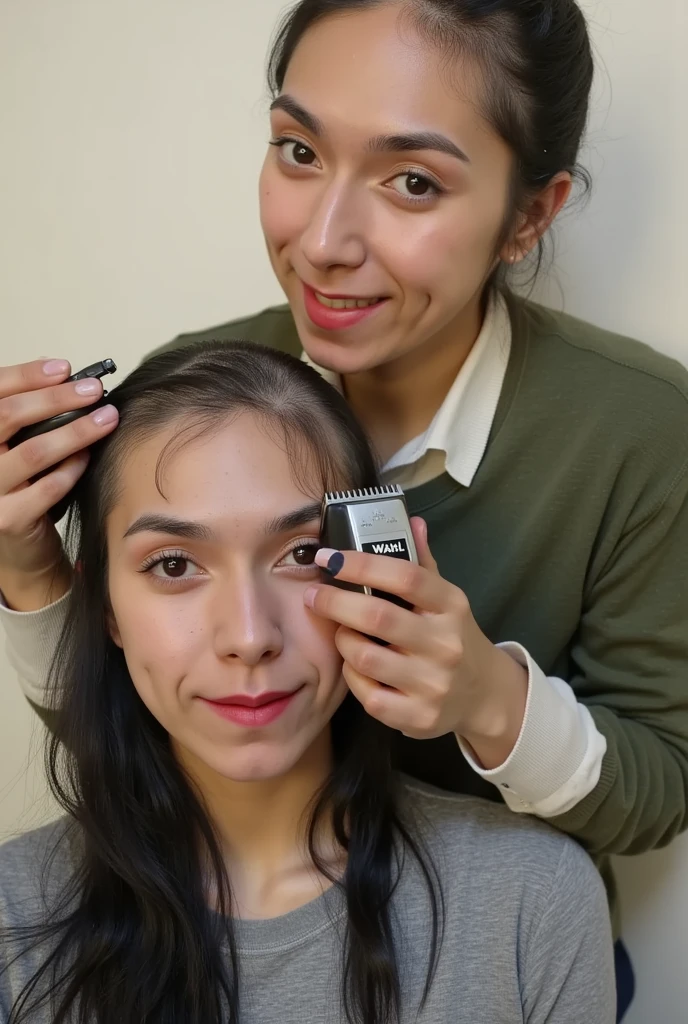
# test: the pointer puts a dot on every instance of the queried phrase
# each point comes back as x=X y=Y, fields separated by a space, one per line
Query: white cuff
x=558 y=755
x=31 y=641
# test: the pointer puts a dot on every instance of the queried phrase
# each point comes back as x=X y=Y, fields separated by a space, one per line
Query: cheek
x=161 y=640
x=313 y=638
x=283 y=213
x=446 y=253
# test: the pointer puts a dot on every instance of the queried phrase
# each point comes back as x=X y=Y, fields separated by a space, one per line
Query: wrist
x=32 y=591
x=496 y=726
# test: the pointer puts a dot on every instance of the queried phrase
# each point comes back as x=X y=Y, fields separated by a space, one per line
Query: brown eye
x=412 y=185
x=296 y=152
x=417 y=186
x=305 y=554
x=303 y=155
x=174 y=567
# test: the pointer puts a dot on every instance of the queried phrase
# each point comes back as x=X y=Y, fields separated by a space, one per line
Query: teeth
x=344 y=303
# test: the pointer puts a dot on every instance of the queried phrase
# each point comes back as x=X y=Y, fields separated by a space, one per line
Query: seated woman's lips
x=253 y=712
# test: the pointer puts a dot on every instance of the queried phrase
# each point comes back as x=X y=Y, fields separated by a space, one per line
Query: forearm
x=496 y=730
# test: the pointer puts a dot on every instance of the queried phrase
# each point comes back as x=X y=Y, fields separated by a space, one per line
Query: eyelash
x=437 y=189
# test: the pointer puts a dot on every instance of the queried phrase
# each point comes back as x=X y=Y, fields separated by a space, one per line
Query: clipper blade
x=363 y=494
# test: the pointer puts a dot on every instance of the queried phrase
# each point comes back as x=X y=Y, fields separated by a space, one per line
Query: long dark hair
x=132 y=937
x=537 y=69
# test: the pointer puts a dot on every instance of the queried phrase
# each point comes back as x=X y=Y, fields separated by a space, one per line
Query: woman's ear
x=536 y=221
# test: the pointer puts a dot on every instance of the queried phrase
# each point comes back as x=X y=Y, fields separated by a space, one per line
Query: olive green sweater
x=573 y=541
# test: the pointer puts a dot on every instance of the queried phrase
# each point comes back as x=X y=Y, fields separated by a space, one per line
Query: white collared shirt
x=558 y=756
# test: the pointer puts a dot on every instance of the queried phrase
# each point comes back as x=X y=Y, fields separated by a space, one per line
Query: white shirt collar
x=461 y=426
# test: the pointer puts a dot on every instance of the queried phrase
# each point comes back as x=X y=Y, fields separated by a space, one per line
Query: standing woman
x=421 y=149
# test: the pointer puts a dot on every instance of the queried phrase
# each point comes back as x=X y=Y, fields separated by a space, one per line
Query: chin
x=256 y=763
x=341 y=355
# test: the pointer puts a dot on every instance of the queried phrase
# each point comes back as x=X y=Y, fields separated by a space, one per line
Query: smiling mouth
x=348 y=302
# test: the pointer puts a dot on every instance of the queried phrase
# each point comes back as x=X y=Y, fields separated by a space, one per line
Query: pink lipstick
x=329 y=318
x=252 y=712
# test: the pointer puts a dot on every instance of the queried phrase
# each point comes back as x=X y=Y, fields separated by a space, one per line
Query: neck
x=262 y=827
x=397 y=401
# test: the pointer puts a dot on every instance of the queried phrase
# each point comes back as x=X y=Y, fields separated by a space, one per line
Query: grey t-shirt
x=527 y=936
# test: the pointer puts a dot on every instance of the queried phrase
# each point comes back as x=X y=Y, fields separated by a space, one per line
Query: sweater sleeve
x=568 y=968
x=631 y=671
x=31 y=639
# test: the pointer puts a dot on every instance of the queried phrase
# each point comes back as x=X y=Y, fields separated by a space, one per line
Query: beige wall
x=132 y=136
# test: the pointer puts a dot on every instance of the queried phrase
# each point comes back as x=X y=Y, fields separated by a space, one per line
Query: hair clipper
x=61 y=419
x=374 y=520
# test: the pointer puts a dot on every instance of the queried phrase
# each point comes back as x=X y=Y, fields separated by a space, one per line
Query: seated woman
x=237 y=846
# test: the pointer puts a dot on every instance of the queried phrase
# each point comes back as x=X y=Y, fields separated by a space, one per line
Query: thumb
x=420 y=536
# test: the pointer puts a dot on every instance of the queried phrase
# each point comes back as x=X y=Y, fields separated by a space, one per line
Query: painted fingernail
x=309 y=597
x=323 y=555
x=87 y=387
x=102 y=417
x=332 y=561
x=55 y=367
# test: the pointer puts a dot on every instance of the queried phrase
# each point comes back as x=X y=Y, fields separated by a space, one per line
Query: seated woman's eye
x=173 y=567
x=302 y=554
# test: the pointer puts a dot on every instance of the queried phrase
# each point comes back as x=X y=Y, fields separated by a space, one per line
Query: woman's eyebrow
x=415 y=141
x=154 y=523
x=297 y=517
x=398 y=142
x=289 y=105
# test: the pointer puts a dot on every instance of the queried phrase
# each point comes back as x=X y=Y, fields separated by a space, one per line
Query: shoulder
x=604 y=363
x=524 y=856
x=273 y=327
x=33 y=868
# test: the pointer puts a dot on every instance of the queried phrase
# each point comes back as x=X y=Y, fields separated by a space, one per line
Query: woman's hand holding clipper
x=440 y=674
x=33 y=569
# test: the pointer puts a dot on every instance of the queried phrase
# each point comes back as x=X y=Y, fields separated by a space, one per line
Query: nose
x=246 y=628
x=335 y=236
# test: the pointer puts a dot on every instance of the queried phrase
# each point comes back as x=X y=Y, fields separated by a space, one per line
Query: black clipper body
x=374 y=520
x=61 y=419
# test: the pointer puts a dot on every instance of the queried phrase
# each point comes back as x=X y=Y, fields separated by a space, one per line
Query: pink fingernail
x=309 y=597
x=87 y=387
x=102 y=417
x=55 y=367
x=323 y=555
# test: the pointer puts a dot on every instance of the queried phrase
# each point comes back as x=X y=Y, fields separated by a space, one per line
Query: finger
x=21 y=410
x=388 y=706
x=41 y=373
x=386 y=665
x=373 y=615
x=23 y=508
x=47 y=450
x=414 y=583
x=420 y=536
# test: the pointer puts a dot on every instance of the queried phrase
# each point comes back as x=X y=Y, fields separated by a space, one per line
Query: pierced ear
x=113 y=628
x=534 y=223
